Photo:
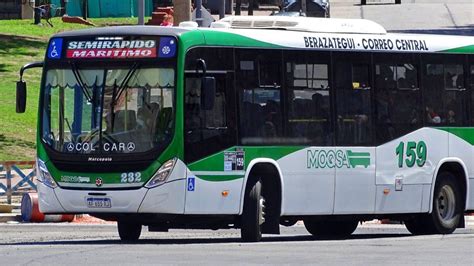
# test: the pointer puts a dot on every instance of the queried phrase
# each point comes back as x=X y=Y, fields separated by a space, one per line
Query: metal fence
x=14 y=180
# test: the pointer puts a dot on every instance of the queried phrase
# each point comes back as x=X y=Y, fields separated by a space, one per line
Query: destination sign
x=111 y=49
x=365 y=44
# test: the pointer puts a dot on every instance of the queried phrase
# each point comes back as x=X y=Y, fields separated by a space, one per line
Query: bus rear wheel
x=330 y=228
x=419 y=225
x=129 y=231
x=447 y=209
x=447 y=204
x=253 y=215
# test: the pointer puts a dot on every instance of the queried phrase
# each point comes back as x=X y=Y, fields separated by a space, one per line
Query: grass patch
x=22 y=42
x=44 y=31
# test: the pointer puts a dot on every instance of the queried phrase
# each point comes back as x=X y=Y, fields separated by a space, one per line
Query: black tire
x=253 y=214
x=129 y=231
x=330 y=228
x=447 y=209
x=447 y=204
x=419 y=225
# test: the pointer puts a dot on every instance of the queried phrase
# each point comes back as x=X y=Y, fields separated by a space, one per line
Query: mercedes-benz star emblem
x=131 y=146
x=70 y=146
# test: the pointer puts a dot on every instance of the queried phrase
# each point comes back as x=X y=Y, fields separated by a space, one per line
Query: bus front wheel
x=129 y=231
x=330 y=228
x=253 y=214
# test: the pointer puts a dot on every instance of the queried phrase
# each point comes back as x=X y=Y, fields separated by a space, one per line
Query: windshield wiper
x=79 y=80
x=116 y=95
x=125 y=82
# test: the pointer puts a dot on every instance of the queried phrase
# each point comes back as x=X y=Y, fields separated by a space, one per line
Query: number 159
x=415 y=153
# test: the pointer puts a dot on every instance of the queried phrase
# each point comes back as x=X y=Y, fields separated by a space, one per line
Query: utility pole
x=141 y=12
x=84 y=9
x=222 y=9
x=182 y=11
x=198 y=7
x=238 y=5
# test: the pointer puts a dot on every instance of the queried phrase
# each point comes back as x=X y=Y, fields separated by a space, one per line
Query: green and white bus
x=257 y=122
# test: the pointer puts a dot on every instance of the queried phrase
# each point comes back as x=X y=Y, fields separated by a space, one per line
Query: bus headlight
x=44 y=176
x=162 y=174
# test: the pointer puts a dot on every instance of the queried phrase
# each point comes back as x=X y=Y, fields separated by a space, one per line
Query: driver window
x=209 y=131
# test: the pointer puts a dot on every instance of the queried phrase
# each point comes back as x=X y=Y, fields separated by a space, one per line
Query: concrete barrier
x=30 y=211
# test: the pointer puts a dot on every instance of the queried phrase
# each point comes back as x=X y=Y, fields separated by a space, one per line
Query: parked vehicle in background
x=314 y=8
x=289 y=14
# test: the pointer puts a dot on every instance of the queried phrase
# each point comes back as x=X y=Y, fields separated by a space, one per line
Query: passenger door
x=355 y=171
x=208 y=133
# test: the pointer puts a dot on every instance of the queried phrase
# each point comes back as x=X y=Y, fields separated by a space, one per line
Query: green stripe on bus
x=216 y=162
x=218 y=178
x=466 y=133
x=469 y=49
x=215 y=38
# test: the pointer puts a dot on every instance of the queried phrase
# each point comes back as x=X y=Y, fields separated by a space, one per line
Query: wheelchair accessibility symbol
x=191 y=183
x=55 y=47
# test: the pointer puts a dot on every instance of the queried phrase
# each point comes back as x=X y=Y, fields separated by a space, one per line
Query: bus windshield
x=107 y=110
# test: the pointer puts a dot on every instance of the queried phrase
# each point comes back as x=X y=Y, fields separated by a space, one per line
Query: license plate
x=99 y=202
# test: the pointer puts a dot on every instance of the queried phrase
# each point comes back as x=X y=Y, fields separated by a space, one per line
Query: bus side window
x=353 y=99
x=308 y=97
x=209 y=131
x=258 y=76
x=397 y=96
x=471 y=81
x=444 y=91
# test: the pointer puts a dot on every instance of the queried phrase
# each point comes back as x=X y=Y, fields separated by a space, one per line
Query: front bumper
x=167 y=198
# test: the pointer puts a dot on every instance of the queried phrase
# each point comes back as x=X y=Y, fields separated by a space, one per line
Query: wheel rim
x=261 y=210
x=446 y=204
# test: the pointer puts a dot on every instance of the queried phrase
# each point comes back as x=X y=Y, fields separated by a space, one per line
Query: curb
x=9 y=217
x=11 y=213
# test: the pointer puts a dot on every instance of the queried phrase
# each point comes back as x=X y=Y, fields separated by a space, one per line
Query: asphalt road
x=411 y=16
x=73 y=244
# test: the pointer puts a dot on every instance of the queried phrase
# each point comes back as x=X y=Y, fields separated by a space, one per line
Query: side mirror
x=21 y=87
x=208 y=93
x=20 y=96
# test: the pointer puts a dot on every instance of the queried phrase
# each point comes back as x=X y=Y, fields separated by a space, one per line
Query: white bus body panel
x=169 y=197
x=47 y=200
x=470 y=203
x=410 y=198
x=459 y=148
x=206 y=196
x=355 y=187
x=123 y=201
x=308 y=190
x=407 y=201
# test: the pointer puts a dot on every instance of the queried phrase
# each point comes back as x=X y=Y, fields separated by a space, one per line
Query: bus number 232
x=131 y=177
